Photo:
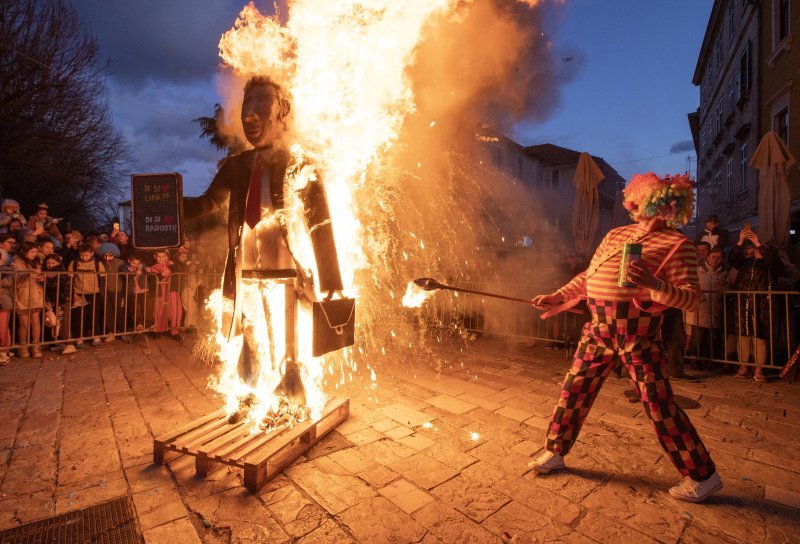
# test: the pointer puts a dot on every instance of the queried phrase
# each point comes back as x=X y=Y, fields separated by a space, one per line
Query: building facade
x=547 y=171
x=780 y=87
x=726 y=125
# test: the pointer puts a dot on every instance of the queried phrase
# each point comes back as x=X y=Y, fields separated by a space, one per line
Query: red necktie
x=252 y=213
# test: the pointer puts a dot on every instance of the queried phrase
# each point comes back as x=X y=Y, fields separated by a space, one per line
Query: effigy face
x=260 y=116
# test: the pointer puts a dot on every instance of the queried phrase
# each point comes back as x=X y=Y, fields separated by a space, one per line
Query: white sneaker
x=109 y=339
x=547 y=462
x=95 y=341
x=69 y=348
x=694 y=491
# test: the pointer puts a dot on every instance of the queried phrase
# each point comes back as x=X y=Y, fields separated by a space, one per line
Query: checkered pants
x=620 y=330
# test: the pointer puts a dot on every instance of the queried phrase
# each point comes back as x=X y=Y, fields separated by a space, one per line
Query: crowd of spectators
x=746 y=313
x=64 y=290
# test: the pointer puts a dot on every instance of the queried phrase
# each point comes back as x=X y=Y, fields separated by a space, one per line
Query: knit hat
x=108 y=247
x=9 y=202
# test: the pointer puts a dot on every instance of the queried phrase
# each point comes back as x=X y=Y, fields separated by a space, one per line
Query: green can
x=630 y=252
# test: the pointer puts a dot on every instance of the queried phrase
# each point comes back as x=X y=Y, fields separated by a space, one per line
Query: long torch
x=430 y=284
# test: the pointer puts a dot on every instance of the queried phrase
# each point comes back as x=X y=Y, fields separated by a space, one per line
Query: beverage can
x=630 y=252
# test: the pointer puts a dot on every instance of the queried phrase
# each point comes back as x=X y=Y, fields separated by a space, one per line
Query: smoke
x=446 y=210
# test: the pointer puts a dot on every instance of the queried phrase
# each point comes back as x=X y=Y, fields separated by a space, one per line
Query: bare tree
x=211 y=128
x=57 y=142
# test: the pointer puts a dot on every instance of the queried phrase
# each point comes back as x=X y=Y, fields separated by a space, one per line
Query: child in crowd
x=136 y=289
x=9 y=209
x=167 y=305
x=86 y=301
x=28 y=299
x=113 y=294
x=40 y=222
x=56 y=294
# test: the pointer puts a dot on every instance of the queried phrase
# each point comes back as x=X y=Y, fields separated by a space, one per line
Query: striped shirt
x=678 y=288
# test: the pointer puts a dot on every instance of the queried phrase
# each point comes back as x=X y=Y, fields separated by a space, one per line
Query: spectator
x=9 y=210
x=713 y=234
x=167 y=305
x=703 y=249
x=28 y=299
x=758 y=268
x=706 y=334
x=55 y=236
x=40 y=223
x=93 y=241
x=57 y=294
x=86 y=300
x=56 y=291
x=7 y=243
x=123 y=243
x=136 y=289
x=46 y=248
x=15 y=228
x=72 y=240
x=113 y=293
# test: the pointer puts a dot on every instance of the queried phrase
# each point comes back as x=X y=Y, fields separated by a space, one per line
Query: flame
x=346 y=66
x=415 y=296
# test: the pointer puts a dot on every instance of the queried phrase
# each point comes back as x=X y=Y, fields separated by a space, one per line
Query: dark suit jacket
x=230 y=186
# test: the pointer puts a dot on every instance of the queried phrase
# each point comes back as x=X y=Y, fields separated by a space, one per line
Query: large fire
x=346 y=66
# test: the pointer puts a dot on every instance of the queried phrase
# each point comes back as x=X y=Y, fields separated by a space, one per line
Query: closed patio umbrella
x=773 y=159
x=586 y=208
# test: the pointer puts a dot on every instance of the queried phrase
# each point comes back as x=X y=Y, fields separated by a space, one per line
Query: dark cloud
x=146 y=40
x=683 y=145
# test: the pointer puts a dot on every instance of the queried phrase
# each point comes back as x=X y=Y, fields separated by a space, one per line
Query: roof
x=555 y=155
x=552 y=154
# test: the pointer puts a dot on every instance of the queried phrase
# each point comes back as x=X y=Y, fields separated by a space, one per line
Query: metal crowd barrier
x=730 y=325
x=41 y=309
x=474 y=314
x=721 y=339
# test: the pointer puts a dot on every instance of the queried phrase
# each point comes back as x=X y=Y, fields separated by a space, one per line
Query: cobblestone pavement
x=77 y=430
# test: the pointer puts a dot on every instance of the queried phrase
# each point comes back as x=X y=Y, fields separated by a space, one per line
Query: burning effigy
x=365 y=120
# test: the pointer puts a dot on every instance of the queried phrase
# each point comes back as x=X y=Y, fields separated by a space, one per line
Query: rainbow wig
x=669 y=198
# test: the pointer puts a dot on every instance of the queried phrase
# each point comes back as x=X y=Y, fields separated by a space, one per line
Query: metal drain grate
x=113 y=522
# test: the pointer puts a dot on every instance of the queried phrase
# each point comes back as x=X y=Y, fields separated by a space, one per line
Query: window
x=719 y=56
x=744 y=69
x=743 y=156
x=519 y=167
x=726 y=191
x=731 y=24
x=738 y=86
x=782 y=22
x=729 y=179
x=719 y=117
x=555 y=179
x=498 y=157
x=780 y=124
x=731 y=96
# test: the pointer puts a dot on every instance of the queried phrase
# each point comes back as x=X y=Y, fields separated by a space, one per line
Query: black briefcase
x=334 y=325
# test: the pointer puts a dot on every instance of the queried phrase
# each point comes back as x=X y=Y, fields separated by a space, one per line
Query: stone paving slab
x=437 y=453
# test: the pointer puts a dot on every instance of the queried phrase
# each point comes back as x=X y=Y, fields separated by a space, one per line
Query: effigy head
x=265 y=111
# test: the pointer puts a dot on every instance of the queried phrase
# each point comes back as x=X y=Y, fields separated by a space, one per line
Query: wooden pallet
x=211 y=439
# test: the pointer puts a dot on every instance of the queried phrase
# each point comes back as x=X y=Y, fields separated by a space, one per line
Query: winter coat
x=709 y=313
x=28 y=290
x=749 y=314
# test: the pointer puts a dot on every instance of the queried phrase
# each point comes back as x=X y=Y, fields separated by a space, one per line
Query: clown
x=625 y=326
